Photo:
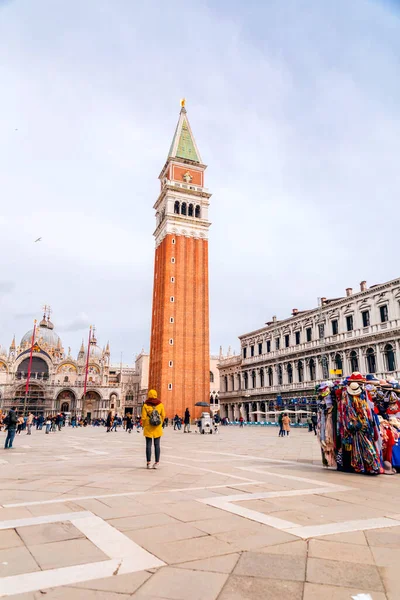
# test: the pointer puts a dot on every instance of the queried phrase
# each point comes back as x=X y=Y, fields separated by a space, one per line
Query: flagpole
x=87 y=365
x=30 y=365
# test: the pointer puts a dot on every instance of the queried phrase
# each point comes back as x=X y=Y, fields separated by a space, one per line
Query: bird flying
x=38 y=240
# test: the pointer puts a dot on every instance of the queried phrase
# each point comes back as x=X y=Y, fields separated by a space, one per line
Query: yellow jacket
x=152 y=431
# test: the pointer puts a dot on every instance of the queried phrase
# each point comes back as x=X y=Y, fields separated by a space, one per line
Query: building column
x=379 y=358
x=397 y=356
x=318 y=368
x=361 y=366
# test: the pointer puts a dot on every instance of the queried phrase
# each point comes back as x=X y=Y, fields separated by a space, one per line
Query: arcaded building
x=284 y=360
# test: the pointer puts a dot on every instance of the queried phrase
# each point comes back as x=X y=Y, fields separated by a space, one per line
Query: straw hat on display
x=354 y=388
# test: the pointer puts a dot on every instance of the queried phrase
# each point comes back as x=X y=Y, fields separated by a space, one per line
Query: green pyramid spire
x=183 y=144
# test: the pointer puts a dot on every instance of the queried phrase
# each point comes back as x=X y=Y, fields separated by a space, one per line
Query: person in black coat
x=11 y=421
x=109 y=421
x=186 y=420
x=314 y=420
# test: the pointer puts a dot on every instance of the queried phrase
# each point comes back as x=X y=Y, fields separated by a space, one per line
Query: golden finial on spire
x=183 y=102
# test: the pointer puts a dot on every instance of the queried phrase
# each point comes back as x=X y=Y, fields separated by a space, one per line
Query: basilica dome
x=44 y=334
x=95 y=351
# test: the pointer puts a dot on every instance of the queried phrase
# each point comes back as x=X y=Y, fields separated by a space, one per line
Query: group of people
x=152 y=421
x=128 y=422
x=15 y=424
x=284 y=424
x=177 y=421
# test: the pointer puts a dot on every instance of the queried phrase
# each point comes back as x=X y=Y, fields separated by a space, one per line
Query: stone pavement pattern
x=235 y=516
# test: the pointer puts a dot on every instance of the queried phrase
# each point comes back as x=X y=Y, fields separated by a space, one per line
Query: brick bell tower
x=179 y=350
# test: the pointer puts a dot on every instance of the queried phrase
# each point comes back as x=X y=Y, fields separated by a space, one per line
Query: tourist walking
x=109 y=421
x=280 y=423
x=186 y=420
x=217 y=421
x=314 y=420
x=58 y=422
x=153 y=415
x=241 y=421
x=286 y=424
x=49 y=424
x=115 y=423
x=29 y=423
x=10 y=422
x=129 y=423
x=20 y=424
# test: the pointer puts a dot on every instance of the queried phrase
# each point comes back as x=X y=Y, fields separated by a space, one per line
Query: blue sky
x=294 y=106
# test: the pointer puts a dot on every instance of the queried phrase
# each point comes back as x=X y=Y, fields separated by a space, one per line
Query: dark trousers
x=156 y=448
x=10 y=438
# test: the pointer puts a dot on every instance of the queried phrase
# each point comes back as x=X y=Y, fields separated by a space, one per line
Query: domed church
x=57 y=378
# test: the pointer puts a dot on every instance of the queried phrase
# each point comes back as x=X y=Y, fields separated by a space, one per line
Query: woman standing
x=20 y=423
x=129 y=423
x=109 y=421
x=286 y=424
x=153 y=415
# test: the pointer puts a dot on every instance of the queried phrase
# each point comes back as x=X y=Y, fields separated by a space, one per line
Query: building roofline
x=334 y=302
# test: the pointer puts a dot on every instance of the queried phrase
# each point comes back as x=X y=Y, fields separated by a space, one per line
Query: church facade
x=57 y=377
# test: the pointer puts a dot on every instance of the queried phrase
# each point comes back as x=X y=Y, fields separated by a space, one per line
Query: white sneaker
x=155 y=466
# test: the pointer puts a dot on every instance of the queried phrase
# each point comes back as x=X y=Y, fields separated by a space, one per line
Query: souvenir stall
x=359 y=424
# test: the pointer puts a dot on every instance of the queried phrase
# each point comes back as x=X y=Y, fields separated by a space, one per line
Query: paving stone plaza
x=238 y=515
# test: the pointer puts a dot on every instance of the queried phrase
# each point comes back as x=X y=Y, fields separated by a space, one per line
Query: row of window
x=371 y=367
x=190 y=210
x=365 y=316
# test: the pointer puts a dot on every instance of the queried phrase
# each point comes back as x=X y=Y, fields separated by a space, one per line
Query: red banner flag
x=87 y=361
x=30 y=358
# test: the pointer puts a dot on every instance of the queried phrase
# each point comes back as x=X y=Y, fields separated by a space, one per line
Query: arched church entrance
x=91 y=404
x=66 y=401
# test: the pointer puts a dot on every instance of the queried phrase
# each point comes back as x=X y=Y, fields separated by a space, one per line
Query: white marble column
x=380 y=360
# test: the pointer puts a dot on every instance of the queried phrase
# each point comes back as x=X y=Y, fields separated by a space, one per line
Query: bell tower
x=179 y=350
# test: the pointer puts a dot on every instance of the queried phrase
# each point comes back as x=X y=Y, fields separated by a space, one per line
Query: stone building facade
x=287 y=358
x=57 y=377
